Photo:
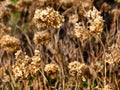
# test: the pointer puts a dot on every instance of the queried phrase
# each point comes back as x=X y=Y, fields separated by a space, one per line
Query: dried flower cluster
x=113 y=55
x=78 y=69
x=74 y=68
x=95 y=21
x=94 y=25
x=47 y=18
x=42 y=37
x=10 y=43
x=80 y=31
x=51 y=70
x=25 y=65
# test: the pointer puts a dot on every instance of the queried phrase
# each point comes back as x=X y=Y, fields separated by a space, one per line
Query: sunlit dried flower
x=42 y=37
x=47 y=18
x=95 y=21
x=10 y=43
x=78 y=69
x=74 y=67
x=113 y=54
x=26 y=66
x=94 y=25
x=80 y=31
x=35 y=64
x=20 y=69
x=84 y=71
x=51 y=70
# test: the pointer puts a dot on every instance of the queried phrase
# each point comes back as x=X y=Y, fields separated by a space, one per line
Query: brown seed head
x=47 y=18
x=42 y=37
x=10 y=43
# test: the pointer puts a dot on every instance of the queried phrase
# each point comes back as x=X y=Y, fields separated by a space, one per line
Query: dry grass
x=60 y=45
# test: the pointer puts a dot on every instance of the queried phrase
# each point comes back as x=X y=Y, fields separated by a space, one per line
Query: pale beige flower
x=26 y=66
x=10 y=43
x=113 y=55
x=73 y=68
x=47 y=18
x=94 y=26
x=80 y=31
x=51 y=70
x=95 y=21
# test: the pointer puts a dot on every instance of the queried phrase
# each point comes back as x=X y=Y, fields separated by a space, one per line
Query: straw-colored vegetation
x=59 y=45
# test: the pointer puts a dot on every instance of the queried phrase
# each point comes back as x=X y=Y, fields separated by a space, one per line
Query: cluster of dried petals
x=25 y=65
x=78 y=69
x=35 y=63
x=47 y=18
x=20 y=68
x=80 y=31
x=42 y=37
x=94 y=25
x=10 y=43
x=113 y=54
x=84 y=71
x=51 y=70
x=95 y=21
x=74 y=68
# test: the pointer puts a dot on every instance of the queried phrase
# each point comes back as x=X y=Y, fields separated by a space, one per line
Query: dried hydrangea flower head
x=42 y=37
x=73 y=68
x=113 y=55
x=84 y=71
x=51 y=70
x=25 y=65
x=78 y=69
x=80 y=31
x=95 y=21
x=94 y=25
x=47 y=18
x=10 y=43
x=35 y=63
x=20 y=68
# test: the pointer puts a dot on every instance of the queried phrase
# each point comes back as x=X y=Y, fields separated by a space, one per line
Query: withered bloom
x=47 y=18
x=10 y=43
x=74 y=67
x=94 y=25
x=42 y=37
x=51 y=70
x=95 y=21
x=80 y=31
x=26 y=66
